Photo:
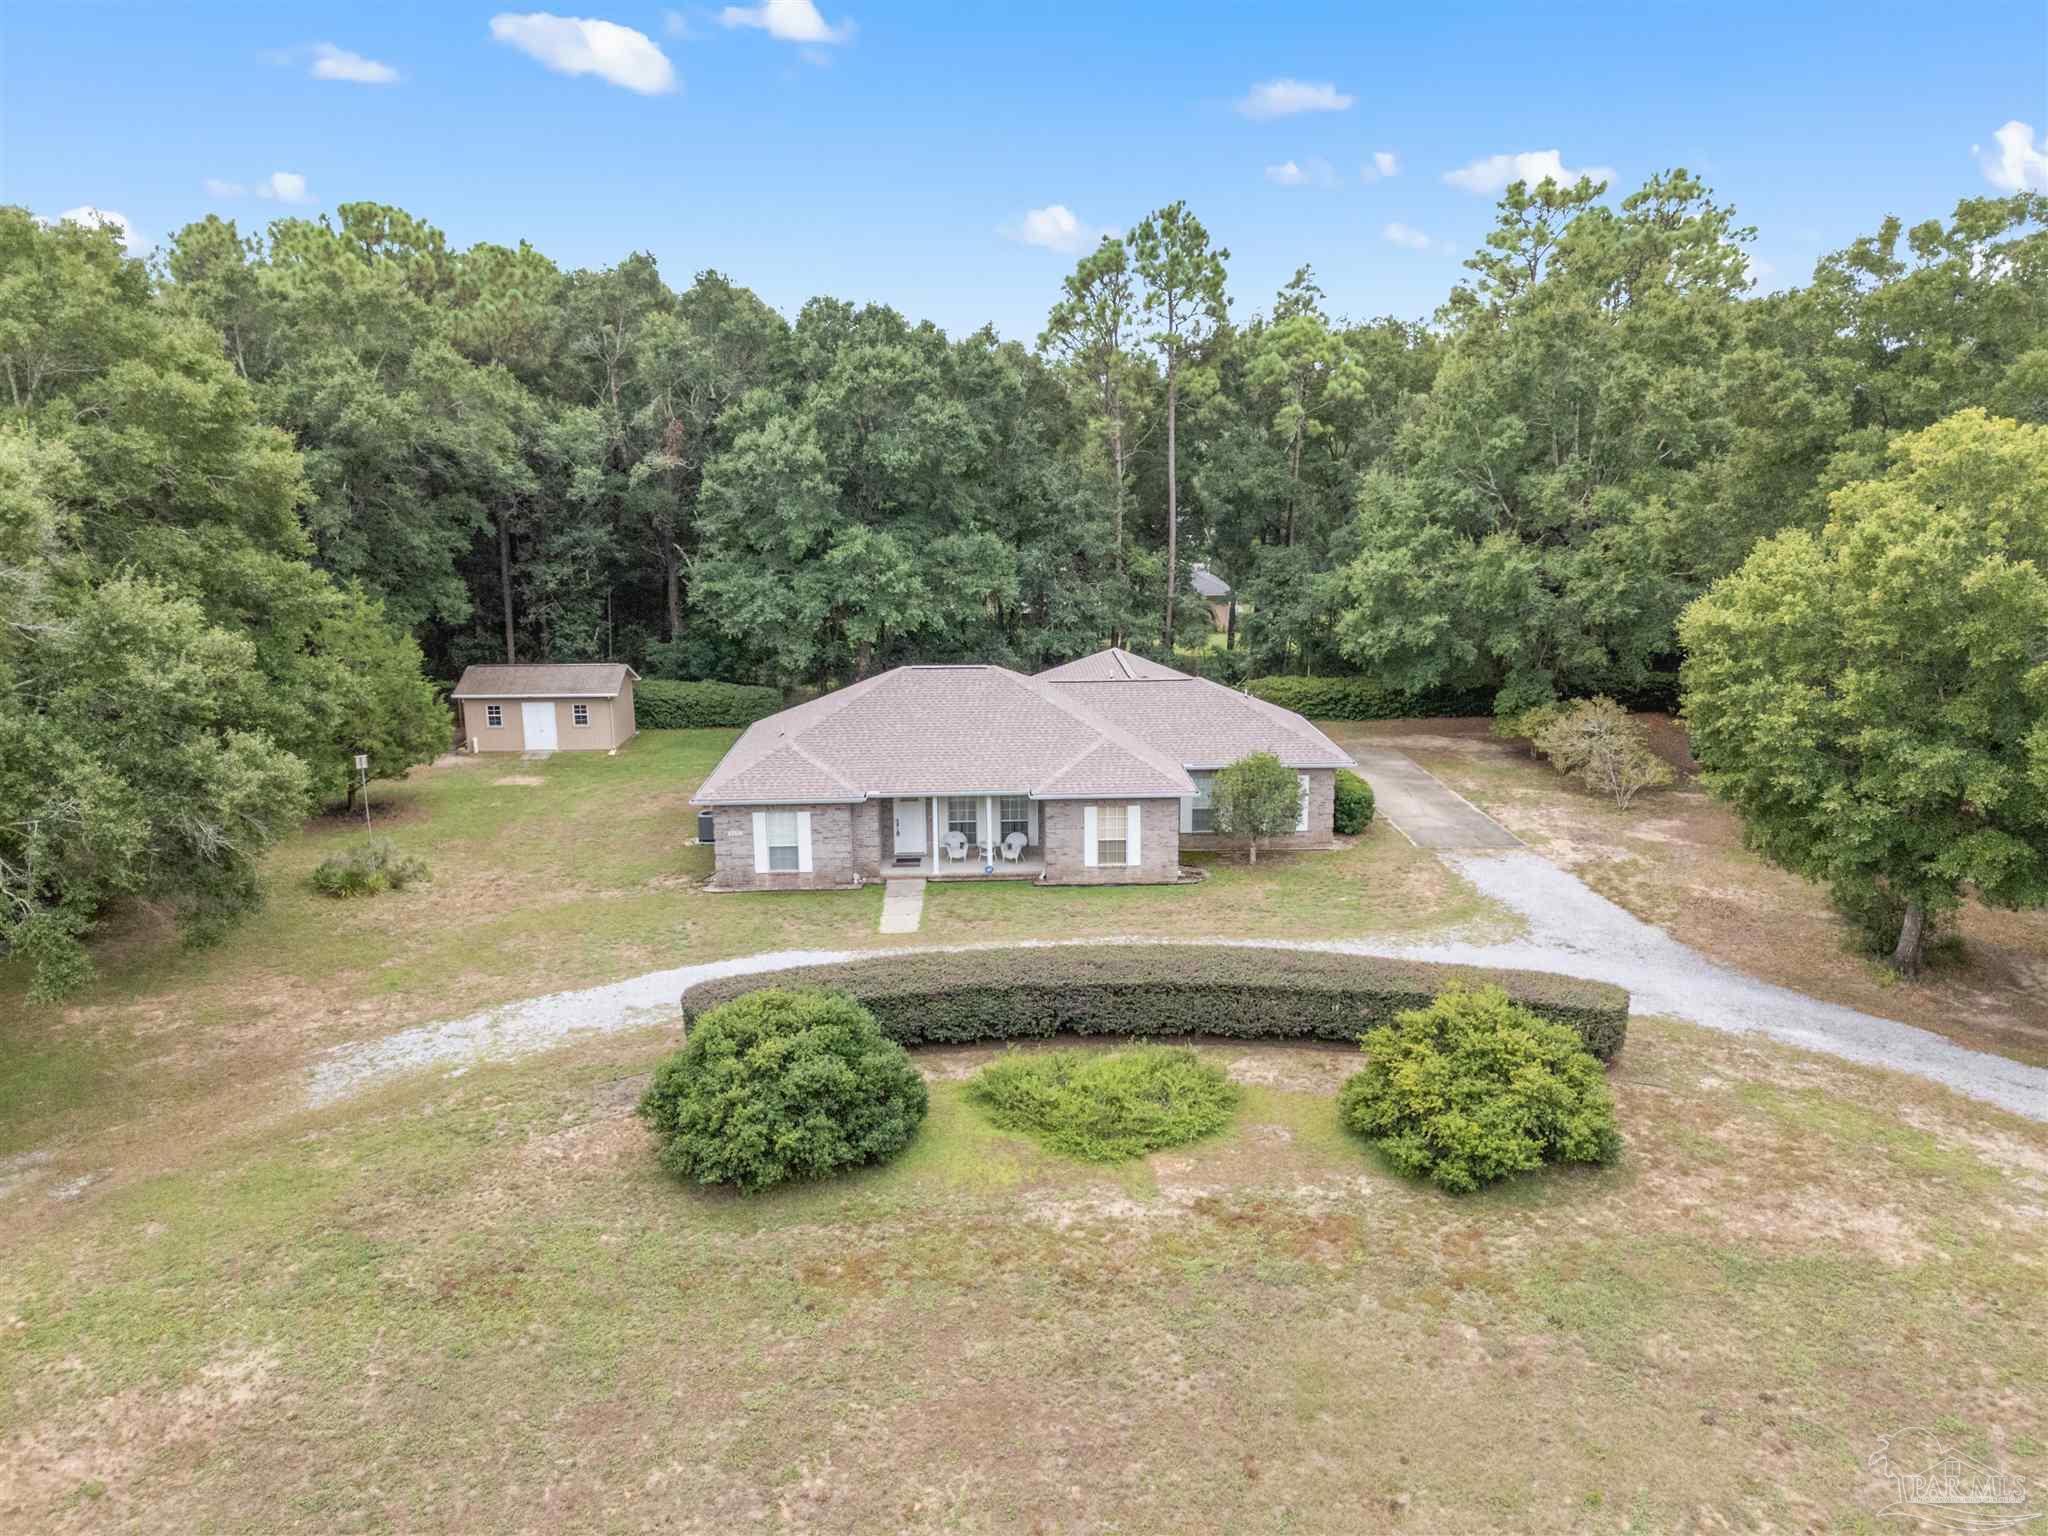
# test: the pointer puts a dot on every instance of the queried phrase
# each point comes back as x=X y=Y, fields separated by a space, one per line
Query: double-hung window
x=1109 y=834
x=963 y=815
x=1202 y=815
x=782 y=833
x=1014 y=814
x=494 y=714
x=580 y=713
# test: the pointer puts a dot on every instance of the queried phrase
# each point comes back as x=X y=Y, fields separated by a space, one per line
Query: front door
x=537 y=721
x=910 y=819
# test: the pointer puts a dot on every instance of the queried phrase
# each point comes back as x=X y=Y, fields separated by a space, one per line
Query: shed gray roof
x=545 y=680
x=934 y=730
x=1105 y=725
x=1207 y=583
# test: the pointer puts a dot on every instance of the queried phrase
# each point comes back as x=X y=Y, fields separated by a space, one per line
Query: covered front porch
x=980 y=836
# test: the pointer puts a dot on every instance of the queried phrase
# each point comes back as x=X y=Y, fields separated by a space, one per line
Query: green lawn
x=554 y=875
x=474 y=1303
x=480 y=1306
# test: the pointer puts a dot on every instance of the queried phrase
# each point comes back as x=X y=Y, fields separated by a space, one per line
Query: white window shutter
x=1187 y=813
x=760 y=842
x=803 y=842
x=1134 y=821
x=1088 y=836
x=1302 y=824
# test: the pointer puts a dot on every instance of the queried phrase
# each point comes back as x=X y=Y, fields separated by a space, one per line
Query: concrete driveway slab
x=1424 y=809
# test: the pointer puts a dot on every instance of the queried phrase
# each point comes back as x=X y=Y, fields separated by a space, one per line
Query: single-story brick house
x=1095 y=772
x=583 y=706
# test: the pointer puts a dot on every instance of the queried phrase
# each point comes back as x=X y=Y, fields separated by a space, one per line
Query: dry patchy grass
x=478 y=1305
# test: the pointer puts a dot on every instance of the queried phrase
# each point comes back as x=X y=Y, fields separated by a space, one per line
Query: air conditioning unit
x=707 y=827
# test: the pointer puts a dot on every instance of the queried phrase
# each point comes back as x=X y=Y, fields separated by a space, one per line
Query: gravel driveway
x=1571 y=929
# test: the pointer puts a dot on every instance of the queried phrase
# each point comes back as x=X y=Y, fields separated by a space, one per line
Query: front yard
x=478 y=1305
x=473 y=1302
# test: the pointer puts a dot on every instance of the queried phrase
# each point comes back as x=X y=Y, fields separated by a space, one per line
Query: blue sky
x=945 y=158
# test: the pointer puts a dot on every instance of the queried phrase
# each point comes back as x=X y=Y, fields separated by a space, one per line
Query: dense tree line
x=253 y=492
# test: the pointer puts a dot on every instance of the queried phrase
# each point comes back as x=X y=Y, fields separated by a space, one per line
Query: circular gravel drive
x=1571 y=930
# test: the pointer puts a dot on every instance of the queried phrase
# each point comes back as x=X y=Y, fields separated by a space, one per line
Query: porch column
x=989 y=828
x=933 y=844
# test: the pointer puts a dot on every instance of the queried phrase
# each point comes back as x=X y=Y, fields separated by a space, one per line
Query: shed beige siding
x=611 y=724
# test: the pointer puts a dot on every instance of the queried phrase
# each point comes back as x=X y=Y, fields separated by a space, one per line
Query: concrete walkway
x=902 y=906
x=1424 y=809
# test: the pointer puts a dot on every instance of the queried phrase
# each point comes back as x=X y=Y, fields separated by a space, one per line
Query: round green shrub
x=1354 y=803
x=1106 y=1106
x=781 y=1085
x=1474 y=1088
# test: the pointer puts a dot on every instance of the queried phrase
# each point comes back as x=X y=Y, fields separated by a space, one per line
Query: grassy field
x=1676 y=859
x=474 y=1303
x=553 y=875
x=480 y=1306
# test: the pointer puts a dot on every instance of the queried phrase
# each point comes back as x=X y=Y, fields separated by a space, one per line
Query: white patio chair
x=956 y=846
x=1013 y=847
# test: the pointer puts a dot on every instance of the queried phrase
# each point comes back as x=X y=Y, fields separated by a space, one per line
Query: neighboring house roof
x=934 y=730
x=1207 y=583
x=546 y=680
x=1202 y=724
x=1112 y=665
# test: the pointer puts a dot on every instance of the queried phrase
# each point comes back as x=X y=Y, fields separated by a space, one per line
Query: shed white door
x=910 y=815
x=537 y=724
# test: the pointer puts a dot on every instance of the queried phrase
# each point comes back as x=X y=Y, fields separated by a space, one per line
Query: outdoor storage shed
x=558 y=707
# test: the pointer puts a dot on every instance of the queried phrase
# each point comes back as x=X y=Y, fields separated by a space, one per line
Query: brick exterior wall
x=1322 y=821
x=832 y=850
x=873 y=832
x=1060 y=831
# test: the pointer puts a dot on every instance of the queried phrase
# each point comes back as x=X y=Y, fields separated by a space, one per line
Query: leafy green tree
x=1525 y=544
x=1092 y=333
x=1184 y=302
x=1256 y=797
x=126 y=769
x=1872 y=698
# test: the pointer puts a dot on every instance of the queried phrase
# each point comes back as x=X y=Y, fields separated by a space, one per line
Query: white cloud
x=1284 y=98
x=278 y=187
x=90 y=217
x=1316 y=173
x=1054 y=228
x=1384 y=163
x=1493 y=173
x=675 y=24
x=577 y=45
x=332 y=63
x=2017 y=164
x=1406 y=236
x=792 y=21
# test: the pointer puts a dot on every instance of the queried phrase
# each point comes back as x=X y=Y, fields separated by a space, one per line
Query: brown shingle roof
x=545 y=680
x=1112 y=665
x=1105 y=725
x=934 y=730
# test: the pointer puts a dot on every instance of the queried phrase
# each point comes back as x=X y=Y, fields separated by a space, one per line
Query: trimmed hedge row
x=1238 y=992
x=661 y=705
x=1362 y=698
